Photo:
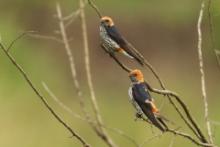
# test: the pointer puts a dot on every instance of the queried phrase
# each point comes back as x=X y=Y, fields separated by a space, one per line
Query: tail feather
x=150 y=115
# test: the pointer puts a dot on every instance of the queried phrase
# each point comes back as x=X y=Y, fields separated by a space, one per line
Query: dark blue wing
x=141 y=92
x=118 y=38
x=115 y=35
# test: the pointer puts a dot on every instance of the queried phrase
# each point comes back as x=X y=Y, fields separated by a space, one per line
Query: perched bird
x=113 y=41
x=142 y=100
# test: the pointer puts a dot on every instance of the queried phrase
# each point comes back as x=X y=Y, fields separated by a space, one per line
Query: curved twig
x=202 y=73
x=92 y=4
x=17 y=38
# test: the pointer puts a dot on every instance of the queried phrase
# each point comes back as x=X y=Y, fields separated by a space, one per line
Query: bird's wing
x=133 y=102
x=124 y=44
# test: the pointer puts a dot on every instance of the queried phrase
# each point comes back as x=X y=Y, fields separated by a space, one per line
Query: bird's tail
x=136 y=54
x=158 y=115
x=126 y=54
x=150 y=115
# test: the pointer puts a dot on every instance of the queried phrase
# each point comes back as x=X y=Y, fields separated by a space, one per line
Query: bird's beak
x=133 y=78
x=102 y=23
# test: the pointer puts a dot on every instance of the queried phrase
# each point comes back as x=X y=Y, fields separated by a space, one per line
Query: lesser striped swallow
x=142 y=100
x=115 y=42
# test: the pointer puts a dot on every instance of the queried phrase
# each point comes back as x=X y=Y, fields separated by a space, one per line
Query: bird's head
x=107 y=21
x=136 y=76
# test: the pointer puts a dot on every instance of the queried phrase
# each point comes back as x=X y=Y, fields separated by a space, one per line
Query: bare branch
x=202 y=73
x=215 y=122
x=172 y=141
x=73 y=69
x=124 y=67
x=62 y=105
x=190 y=138
x=217 y=53
x=19 y=37
x=92 y=4
x=150 y=139
x=211 y=28
x=72 y=16
x=187 y=136
x=95 y=107
x=27 y=79
x=123 y=134
x=68 y=50
x=46 y=37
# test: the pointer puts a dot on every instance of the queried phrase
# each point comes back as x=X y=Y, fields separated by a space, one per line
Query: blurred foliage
x=164 y=31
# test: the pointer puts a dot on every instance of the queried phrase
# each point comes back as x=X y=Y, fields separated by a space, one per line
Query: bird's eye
x=106 y=20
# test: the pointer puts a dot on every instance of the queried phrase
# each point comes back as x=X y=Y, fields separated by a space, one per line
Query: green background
x=164 y=31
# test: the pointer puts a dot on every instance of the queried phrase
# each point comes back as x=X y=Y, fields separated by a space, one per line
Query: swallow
x=115 y=42
x=142 y=100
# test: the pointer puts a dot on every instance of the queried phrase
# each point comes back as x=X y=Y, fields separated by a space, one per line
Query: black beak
x=133 y=78
x=102 y=23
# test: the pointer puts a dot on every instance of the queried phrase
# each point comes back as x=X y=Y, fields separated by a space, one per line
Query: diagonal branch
x=124 y=67
x=27 y=79
x=92 y=4
x=202 y=73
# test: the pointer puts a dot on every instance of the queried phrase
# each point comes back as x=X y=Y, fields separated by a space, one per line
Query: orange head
x=107 y=21
x=136 y=76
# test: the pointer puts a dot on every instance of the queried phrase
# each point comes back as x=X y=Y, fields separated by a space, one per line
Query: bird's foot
x=138 y=116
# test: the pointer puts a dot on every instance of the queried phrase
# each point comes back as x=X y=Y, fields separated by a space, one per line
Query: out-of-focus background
x=164 y=31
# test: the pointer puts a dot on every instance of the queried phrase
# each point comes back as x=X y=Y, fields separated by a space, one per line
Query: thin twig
x=202 y=73
x=62 y=105
x=124 y=67
x=92 y=4
x=95 y=107
x=68 y=50
x=27 y=79
x=19 y=37
x=215 y=123
x=73 y=72
x=75 y=13
x=72 y=16
x=123 y=134
x=150 y=139
x=217 y=53
x=211 y=27
x=46 y=37
x=72 y=65
x=172 y=141
x=190 y=138
x=66 y=108
x=187 y=136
